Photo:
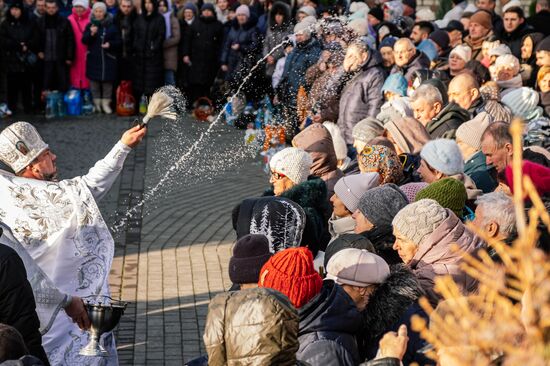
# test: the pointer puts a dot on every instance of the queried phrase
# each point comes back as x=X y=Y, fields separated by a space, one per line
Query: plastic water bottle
x=60 y=105
x=87 y=105
x=50 y=108
x=143 y=105
x=228 y=113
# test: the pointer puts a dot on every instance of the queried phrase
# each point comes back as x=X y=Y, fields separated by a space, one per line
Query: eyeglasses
x=404 y=52
x=277 y=176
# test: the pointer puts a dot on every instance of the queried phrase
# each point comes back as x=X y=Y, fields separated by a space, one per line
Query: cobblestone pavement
x=172 y=257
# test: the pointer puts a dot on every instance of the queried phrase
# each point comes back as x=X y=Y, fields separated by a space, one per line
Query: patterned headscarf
x=382 y=160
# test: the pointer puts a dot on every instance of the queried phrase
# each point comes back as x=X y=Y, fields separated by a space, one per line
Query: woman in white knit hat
x=459 y=56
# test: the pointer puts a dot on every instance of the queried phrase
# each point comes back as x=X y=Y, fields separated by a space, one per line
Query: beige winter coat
x=171 y=45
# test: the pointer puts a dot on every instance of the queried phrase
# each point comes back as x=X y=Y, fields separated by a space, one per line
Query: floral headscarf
x=382 y=160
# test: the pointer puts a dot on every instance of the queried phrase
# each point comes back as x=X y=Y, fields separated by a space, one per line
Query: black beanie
x=378 y=13
x=544 y=45
x=249 y=255
x=345 y=241
x=441 y=38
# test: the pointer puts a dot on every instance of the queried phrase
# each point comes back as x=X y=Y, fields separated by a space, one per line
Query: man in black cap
x=455 y=30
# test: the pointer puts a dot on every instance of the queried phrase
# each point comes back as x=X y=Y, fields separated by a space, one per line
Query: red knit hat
x=539 y=174
x=291 y=272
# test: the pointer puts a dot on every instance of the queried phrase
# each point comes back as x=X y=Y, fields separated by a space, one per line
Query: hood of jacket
x=389 y=301
x=536 y=37
x=374 y=59
x=332 y=310
x=317 y=141
x=436 y=247
x=254 y=327
x=279 y=7
x=154 y=12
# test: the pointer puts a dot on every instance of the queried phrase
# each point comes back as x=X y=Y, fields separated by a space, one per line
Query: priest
x=58 y=223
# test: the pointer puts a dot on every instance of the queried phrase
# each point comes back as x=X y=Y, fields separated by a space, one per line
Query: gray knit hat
x=351 y=188
x=367 y=129
x=418 y=220
x=443 y=155
x=293 y=162
x=380 y=204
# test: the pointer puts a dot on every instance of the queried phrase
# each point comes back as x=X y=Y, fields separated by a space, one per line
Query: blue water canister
x=228 y=113
x=60 y=112
x=73 y=102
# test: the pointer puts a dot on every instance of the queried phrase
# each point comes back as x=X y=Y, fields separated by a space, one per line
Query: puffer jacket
x=328 y=326
x=362 y=96
x=101 y=63
x=435 y=258
x=297 y=62
x=444 y=125
x=276 y=34
x=251 y=327
x=317 y=141
x=393 y=303
x=418 y=62
x=17 y=304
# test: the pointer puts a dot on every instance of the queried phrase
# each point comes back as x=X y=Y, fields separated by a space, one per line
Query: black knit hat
x=345 y=241
x=378 y=13
x=441 y=38
x=249 y=255
x=544 y=45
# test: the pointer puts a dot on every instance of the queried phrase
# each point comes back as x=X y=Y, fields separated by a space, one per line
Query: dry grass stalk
x=509 y=317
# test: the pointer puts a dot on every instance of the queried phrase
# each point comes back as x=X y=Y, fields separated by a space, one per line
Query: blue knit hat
x=389 y=41
x=395 y=83
x=428 y=47
x=190 y=6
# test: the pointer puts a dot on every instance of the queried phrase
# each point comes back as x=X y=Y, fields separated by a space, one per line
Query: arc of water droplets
x=183 y=158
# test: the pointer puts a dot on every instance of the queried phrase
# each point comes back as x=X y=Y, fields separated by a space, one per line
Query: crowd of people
x=401 y=155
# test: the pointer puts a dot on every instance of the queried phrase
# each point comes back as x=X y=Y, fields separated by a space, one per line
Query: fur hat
x=443 y=155
x=20 y=144
x=419 y=219
x=351 y=188
x=291 y=272
x=448 y=192
x=249 y=255
x=292 y=162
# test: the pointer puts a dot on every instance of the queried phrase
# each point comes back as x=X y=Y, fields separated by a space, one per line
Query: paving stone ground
x=172 y=257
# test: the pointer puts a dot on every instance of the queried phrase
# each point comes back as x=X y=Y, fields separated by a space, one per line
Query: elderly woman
x=290 y=169
x=374 y=214
x=424 y=233
x=507 y=70
x=382 y=160
x=103 y=40
x=458 y=58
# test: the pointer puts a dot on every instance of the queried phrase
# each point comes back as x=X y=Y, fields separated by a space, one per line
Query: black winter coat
x=393 y=303
x=540 y=22
x=420 y=61
x=148 y=46
x=444 y=125
x=125 y=23
x=62 y=31
x=239 y=62
x=382 y=239
x=101 y=63
x=514 y=39
x=329 y=324
x=17 y=305
x=202 y=43
x=362 y=96
x=12 y=33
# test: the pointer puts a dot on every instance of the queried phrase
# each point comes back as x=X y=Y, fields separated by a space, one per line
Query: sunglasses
x=277 y=176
